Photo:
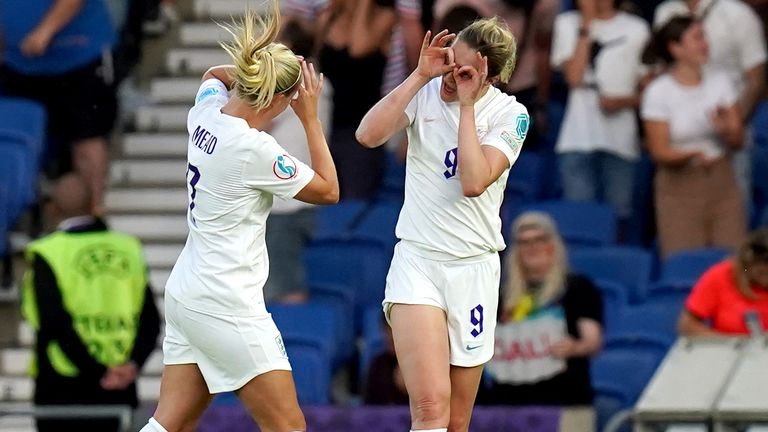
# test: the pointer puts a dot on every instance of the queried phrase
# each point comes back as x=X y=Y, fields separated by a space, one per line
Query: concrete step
x=224 y=9
x=150 y=200
x=155 y=144
x=158 y=118
x=194 y=61
x=154 y=364
x=17 y=424
x=152 y=227
x=25 y=334
x=15 y=361
x=203 y=34
x=169 y=173
x=174 y=90
x=162 y=255
x=158 y=278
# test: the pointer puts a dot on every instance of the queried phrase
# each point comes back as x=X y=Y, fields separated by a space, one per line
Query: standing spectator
x=731 y=295
x=692 y=126
x=291 y=222
x=355 y=42
x=737 y=46
x=598 y=49
x=87 y=296
x=558 y=316
x=384 y=384
x=58 y=52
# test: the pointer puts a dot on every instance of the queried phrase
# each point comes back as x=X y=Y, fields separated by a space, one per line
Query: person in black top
x=384 y=384
x=354 y=38
x=550 y=325
x=88 y=297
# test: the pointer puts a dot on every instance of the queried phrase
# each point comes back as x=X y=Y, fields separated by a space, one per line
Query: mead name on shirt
x=204 y=140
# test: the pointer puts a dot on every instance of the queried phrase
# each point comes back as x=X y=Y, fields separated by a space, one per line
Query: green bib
x=102 y=279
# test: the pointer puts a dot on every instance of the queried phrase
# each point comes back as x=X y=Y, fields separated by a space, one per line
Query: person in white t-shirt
x=598 y=50
x=442 y=288
x=737 y=46
x=219 y=335
x=692 y=124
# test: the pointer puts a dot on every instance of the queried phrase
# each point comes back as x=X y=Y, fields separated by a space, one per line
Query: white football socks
x=153 y=426
x=431 y=430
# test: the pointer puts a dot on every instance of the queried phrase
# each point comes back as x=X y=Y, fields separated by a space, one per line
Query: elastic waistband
x=416 y=249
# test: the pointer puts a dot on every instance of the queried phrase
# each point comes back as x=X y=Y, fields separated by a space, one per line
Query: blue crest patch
x=522 y=125
x=210 y=91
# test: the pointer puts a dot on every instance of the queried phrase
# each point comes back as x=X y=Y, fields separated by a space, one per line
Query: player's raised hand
x=306 y=99
x=436 y=56
x=469 y=80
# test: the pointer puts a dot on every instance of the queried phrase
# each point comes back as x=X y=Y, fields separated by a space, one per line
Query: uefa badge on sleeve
x=285 y=167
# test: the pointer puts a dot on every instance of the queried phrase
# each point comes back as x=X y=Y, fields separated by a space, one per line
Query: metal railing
x=123 y=413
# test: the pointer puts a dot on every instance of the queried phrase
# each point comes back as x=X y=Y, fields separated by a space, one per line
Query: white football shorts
x=466 y=289
x=229 y=350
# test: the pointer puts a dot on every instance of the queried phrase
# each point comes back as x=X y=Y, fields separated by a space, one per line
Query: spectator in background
x=291 y=222
x=732 y=295
x=692 y=126
x=550 y=325
x=354 y=37
x=384 y=384
x=58 y=52
x=87 y=296
x=598 y=50
x=531 y=21
x=761 y=9
x=737 y=46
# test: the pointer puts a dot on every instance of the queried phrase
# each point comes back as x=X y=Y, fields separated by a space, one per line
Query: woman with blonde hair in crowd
x=442 y=289
x=219 y=335
x=550 y=325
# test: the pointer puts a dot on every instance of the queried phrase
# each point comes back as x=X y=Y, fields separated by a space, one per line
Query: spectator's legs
x=617 y=176
x=464 y=384
x=578 y=176
x=183 y=398
x=728 y=221
x=286 y=236
x=272 y=402
x=90 y=160
x=681 y=210
x=421 y=343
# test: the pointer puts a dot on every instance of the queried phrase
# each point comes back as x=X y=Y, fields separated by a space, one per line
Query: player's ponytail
x=493 y=39
x=263 y=67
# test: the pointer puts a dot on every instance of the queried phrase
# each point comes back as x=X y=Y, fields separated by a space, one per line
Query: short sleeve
x=509 y=135
x=654 y=105
x=413 y=107
x=702 y=301
x=727 y=94
x=585 y=299
x=212 y=91
x=271 y=169
x=564 y=38
x=749 y=31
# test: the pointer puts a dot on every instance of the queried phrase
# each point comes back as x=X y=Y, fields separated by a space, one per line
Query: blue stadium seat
x=336 y=220
x=526 y=175
x=684 y=268
x=312 y=324
x=760 y=124
x=342 y=299
x=656 y=318
x=28 y=117
x=361 y=264
x=615 y=299
x=378 y=222
x=627 y=370
x=372 y=339
x=17 y=172
x=759 y=180
x=581 y=223
x=628 y=266
x=393 y=184
x=4 y=217
x=311 y=373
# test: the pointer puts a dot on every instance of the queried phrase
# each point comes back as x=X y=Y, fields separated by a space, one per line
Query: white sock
x=154 y=426
x=430 y=430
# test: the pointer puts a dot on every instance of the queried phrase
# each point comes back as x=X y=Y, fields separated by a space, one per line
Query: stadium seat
x=311 y=373
x=759 y=179
x=378 y=222
x=628 y=266
x=615 y=299
x=526 y=176
x=372 y=342
x=313 y=324
x=16 y=172
x=28 y=117
x=335 y=220
x=393 y=184
x=656 y=318
x=360 y=264
x=627 y=370
x=581 y=223
x=4 y=216
x=342 y=299
x=682 y=269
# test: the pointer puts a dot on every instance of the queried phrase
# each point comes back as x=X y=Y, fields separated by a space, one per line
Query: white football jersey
x=436 y=215
x=232 y=173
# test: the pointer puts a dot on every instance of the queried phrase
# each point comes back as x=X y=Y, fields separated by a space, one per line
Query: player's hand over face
x=470 y=81
x=436 y=57
x=306 y=100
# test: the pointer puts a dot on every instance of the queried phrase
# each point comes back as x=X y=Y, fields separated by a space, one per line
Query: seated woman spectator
x=731 y=293
x=551 y=323
x=692 y=126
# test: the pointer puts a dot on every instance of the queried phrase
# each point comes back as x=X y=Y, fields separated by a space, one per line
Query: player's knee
x=431 y=408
